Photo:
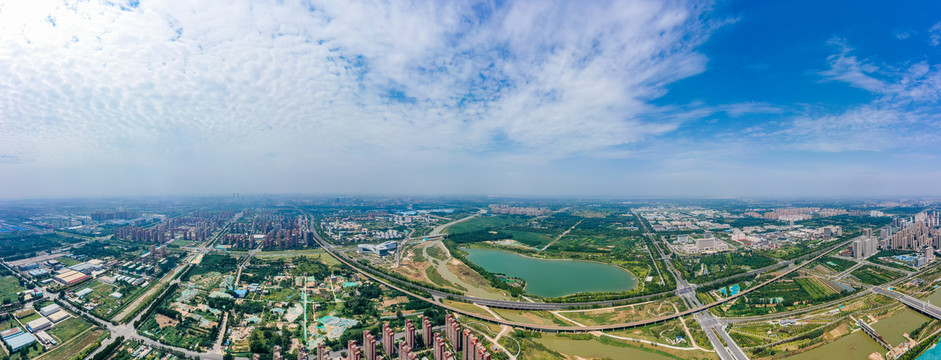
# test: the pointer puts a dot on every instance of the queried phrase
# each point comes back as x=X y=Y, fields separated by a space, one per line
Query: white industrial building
x=383 y=249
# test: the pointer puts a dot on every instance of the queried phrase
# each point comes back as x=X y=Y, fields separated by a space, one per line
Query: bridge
x=873 y=334
x=915 y=304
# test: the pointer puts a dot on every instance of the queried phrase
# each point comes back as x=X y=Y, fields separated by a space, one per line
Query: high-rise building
x=409 y=334
x=439 y=347
x=929 y=254
x=387 y=337
x=481 y=353
x=914 y=233
x=353 y=351
x=470 y=342
x=369 y=345
x=864 y=247
x=404 y=351
x=276 y=352
x=322 y=353
x=426 y=331
x=453 y=331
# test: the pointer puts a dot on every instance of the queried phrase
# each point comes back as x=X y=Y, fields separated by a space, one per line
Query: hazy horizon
x=526 y=99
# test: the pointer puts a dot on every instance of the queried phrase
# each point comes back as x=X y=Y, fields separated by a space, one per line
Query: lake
x=554 y=278
x=855 y=346
x=934 y=353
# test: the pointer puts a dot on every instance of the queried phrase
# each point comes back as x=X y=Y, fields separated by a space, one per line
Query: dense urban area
x=278 y=277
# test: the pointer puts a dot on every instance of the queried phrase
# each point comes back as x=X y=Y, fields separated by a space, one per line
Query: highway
x=713 y=328
x=916 y=304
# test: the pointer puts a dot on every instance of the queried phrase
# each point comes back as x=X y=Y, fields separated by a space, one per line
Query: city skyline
x=705 y=99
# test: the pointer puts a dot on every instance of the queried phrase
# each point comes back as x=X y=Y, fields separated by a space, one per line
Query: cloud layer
x=128 y=97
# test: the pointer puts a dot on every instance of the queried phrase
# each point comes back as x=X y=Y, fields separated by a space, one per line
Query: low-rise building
x=383 y=249
x=58 y=317
x=19 y=341
x=38 y=324
x=49 y=310
x=70 y=277
x=45 y=338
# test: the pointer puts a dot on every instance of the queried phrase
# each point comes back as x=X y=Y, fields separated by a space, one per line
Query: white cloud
x=866 y=128
x=178 y=87
x=934 y=34
x=902 y=115
x=847 y=68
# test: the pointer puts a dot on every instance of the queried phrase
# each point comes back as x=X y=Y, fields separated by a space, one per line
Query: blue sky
x=622 y=98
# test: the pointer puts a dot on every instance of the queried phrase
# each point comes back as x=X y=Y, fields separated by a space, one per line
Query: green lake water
x=895 y=326
x=596 y=349
x=934 y=353
x=855 y=346
x=554 y=278
x=858 y=345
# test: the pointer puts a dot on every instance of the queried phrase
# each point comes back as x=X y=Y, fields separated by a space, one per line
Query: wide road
x=553 y=328
x=920 y=306
x=713 y=328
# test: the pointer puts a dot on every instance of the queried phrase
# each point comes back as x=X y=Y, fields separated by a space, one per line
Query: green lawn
x=436 y=252
x=282 y=294
x=437 y=279
x=67 y=261
x=29 y=318
x=836 y=264
x=8 y=324
x=67 y=351
x=875 y=276
x=69 y=328
x=9 y=288
x=481 y=223
x=812 y=287
x=530 y=238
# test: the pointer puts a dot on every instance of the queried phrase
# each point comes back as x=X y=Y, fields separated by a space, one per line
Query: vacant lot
x=69 y=328
x=68 y=349
x=875 y=276
x=9 y=288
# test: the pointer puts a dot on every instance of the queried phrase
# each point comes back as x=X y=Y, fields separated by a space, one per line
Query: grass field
x=437 y=279
x=838 y=265
x=319 y=254
x=467 y=307
x=875 y=276
x=481 y=223
x=182 y=243
x=8 y=324
x=531 y=317
x=530 y=238
x=282 y=294
x=436 y=253
x=813 y=287
x=9 y=288
x=69 y=328
x=29 y=318
x=595 y=349
x=69 y=349
x=621 y=314
x=67 y=261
